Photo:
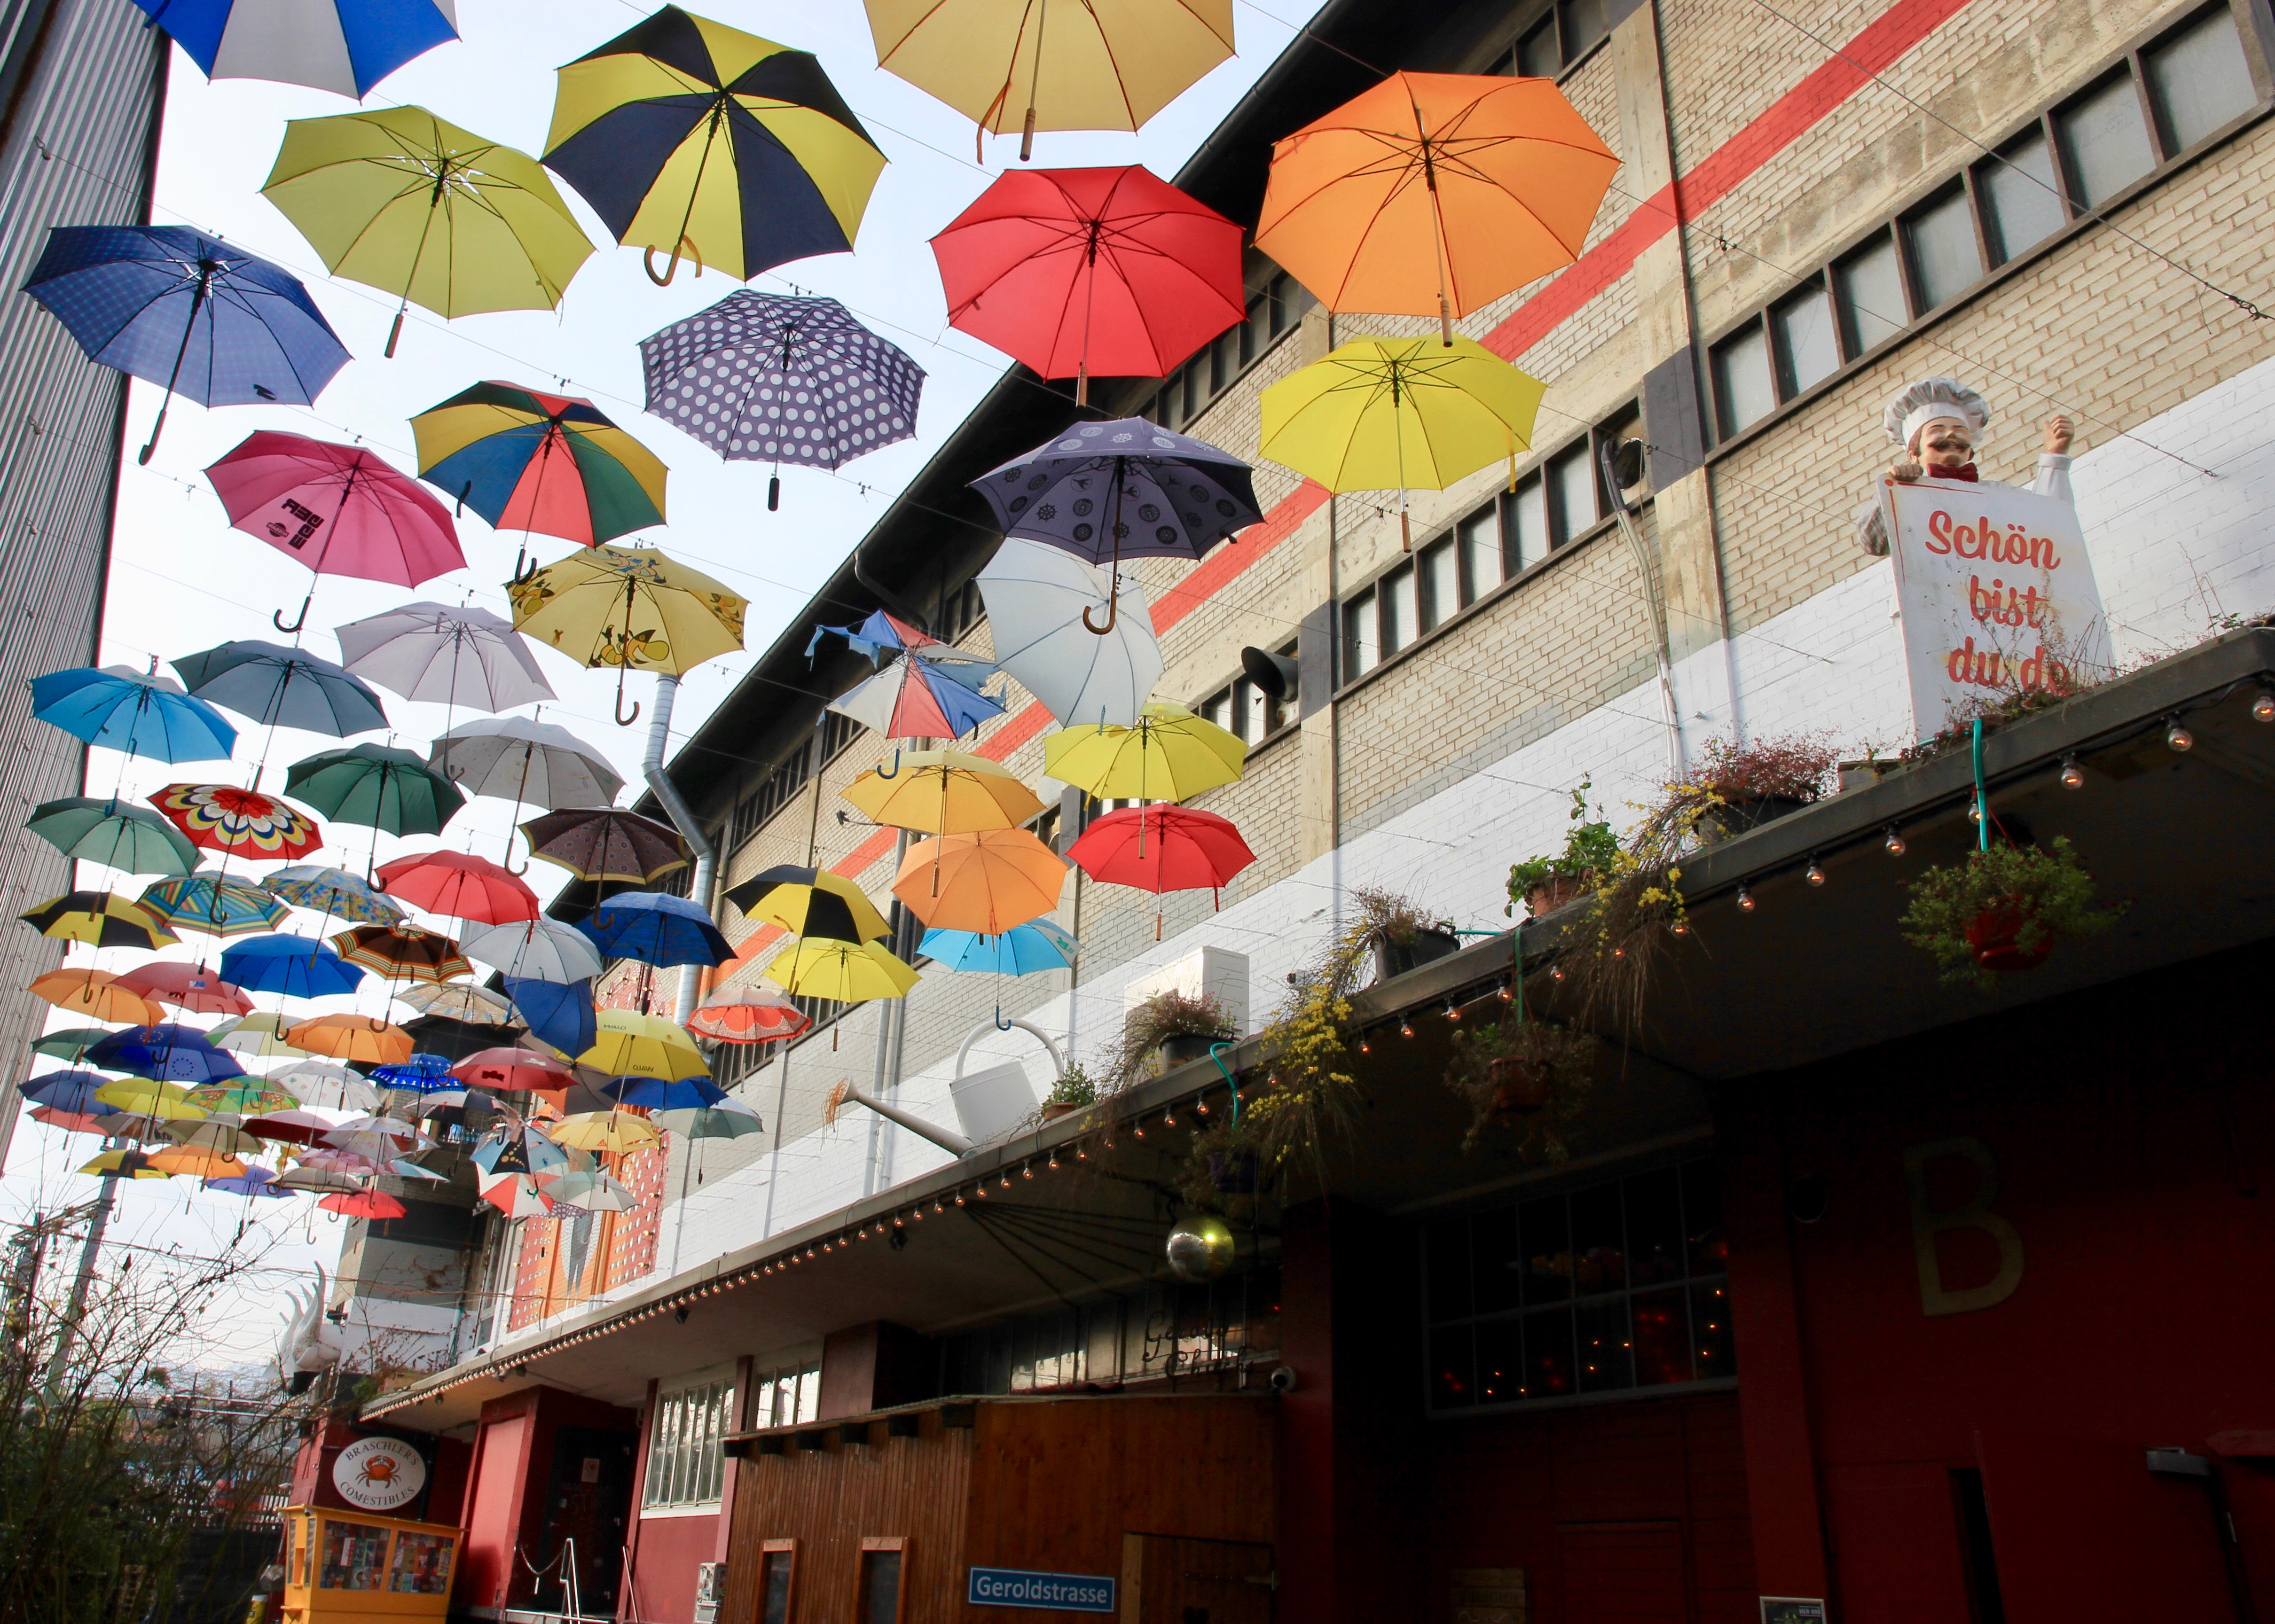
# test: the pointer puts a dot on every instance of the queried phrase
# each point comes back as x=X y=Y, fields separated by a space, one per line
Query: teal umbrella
x=208 y=901
x=377 y=787
x=70 y=1043
x=133 y=839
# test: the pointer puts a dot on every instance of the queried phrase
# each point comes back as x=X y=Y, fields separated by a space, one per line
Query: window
x=960 y=612
x=1290 y=299
x=1246 y=711
x=789 y=1396
x=1808 y=352
x=1537 y=56
x=1572 y=484
x=2198 y=80
x=1608 y=1288
x=1581 y=22
x=684 y=1463
x=1568 y=32
x=1161 y=1329
x=1401 y=620
x=879 y=1600
x=355 y=1556
x=1362 y=638
x=2103 y=140
x=1189 y=391
x=1871 y=291
x=1484 y=564
x=1945 y=257
x=1529 y=541
x=1743 y=393
x=2021 y=201
x=1439 y=569
x=774 y=792
x=777 y=1569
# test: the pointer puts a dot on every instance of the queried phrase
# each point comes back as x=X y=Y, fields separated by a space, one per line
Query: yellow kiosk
x=350 y=1566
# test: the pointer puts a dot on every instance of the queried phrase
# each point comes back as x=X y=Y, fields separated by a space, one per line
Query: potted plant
x=2002 y=911
x=1529 y=1074
x=1070 y=1093
x=1398 y=935
x=1544 y=884
x=1740 y=787
x=1168 y=1030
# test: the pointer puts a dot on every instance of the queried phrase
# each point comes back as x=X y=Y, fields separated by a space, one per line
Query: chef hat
x=1933 y=398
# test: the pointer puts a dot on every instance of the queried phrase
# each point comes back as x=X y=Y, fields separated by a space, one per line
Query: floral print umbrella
x=224 y=818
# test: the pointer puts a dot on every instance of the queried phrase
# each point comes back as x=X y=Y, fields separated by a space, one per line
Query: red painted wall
x=663 y=1567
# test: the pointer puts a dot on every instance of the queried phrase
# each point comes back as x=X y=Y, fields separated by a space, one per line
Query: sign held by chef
x=1994 y=584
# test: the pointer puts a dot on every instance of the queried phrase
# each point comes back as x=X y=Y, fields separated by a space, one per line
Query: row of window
x=1566 y=32
x=782 y=782
x=1190 y=390
x=1246 y=711
x=2145 y=113
x=685 y=1465
x=1164 y=1330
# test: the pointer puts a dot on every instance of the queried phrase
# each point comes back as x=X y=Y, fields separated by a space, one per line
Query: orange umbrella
x=356 y=1038
x=1499 y=176
x=987 y=881
x=97 y=994
x=199 y=1159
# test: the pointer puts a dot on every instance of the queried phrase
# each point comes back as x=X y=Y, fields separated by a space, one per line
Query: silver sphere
x=1201 y=1247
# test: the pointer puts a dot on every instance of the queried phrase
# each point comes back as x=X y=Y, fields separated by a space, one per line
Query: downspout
x=706 y=855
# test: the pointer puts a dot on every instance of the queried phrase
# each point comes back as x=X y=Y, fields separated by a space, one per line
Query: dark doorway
x=587 y=1500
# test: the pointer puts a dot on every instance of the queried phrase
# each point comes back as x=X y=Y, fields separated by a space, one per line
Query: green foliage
x=1792 y=766
x=2046 y=885
x=1153 y=1023
x=1495 y=1064
x=1078 y=1087
x=1590 y=847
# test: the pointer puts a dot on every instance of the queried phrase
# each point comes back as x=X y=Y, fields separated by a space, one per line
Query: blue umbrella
x=685 y=1094
x=344 y=45
x=252 y=1181
x=175 y=306
x=69 y=1091
x=1020 y=951
x=518 y=1151
x=168 y=1053
x=336 y=893
x=282 y=687
x=421 y=1074
x=655 y=927
x=139 y=713
x=560 y=1012
x=296 y=966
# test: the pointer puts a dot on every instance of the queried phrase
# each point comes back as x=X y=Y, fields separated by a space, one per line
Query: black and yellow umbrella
x=810 y=901
x=687 y=135
x=101 y=919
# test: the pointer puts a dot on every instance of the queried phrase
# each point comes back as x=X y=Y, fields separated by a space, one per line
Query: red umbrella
x=510 y=1068
x=224 y=818
x=291 y=1127
x=364 y=1204
x=337 y=508
x=1163 y=848
x=1079 y=271
x=188 y=986
x=459 y=884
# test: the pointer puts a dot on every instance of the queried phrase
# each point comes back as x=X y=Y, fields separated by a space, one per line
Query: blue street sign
x=1015 y=1587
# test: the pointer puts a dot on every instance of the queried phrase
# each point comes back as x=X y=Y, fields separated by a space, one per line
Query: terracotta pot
x=1994 y=937
x=1737 y=816
x=1521 y=1085
x=1392 y=958
x=1054 y=1109
x=1556 y=891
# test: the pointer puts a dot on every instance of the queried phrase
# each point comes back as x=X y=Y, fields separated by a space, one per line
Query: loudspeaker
x=1273 y=675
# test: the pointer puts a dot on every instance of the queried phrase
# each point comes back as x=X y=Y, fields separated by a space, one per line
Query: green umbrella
x=379 y=788
x=70 y=1043
x=111 y=832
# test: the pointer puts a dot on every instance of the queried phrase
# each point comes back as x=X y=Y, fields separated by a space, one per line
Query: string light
x=1508 y=989
x=1745 y=900
x=1894 y=843
x=1140 y=1127
x=2178 y=737
x=1007 y=1180
x=1816 y=871
x=2263 y=708
x=1453 y=1012
x=2072 y=776
x=1054 y=1161
x=1201 y=1105
x=1169 y=1117
x=1556 y=972
x=1682 y=927
x=1080 y=1154
x=1364 y=1048
x=1405 y=1027
x=1026 y=1172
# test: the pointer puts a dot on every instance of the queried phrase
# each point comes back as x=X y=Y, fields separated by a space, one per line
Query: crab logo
x=379 y=1474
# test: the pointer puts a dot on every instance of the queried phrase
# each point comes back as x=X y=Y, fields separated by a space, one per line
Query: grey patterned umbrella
x=770 y=378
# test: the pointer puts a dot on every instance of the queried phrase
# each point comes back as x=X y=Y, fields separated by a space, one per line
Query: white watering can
x=989 y=1104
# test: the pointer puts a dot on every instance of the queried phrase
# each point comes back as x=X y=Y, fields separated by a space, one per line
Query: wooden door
x=1166 y=1581
x=1624 y=1573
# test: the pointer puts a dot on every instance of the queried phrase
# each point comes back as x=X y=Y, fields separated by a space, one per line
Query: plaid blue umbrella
x=421 y=1074
x=655 y=927
x=1123 y=489
x=343 y=45
x=137 y=711
x=175 y=306
x=296 y=966
x=655 y=1094
x=167 y=1053
x=69 y=1091
x=560 y=1012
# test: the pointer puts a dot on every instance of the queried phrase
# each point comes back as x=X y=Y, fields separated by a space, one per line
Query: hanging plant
x=2002 y=911
x=1544 y=884
x=1159 y=1024
x=1529 y=1076
x=1607 y=958
x=1735 y=787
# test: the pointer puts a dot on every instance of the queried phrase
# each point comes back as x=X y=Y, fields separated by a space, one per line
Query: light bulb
x=2074 y=776
x=1007 y=1180
x=939 y=1206
x=1556 y=972
x=959 y=1198
x=1054 y=1161
x=1682 y=927
x=1027 y=1172
x=1745 y=900
x=2263 y=708
x=1405 y=1027
x=1201 y=1105
x=1141 y=1130
x=2178 y=737
x=1508 y=990
x=1894 y=843
x=1364 y=1048
x=1169 y=1117
x=1452 y=1014
x=1081 y=1154
x=1974 y=811
x=1816 y=872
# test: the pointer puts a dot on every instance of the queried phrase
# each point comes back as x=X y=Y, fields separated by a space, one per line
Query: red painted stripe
x=1234 y=556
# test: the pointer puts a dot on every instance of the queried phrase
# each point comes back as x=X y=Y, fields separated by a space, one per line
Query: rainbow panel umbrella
x=139 y=712
x=209 y=901
x=403 y=952
x=913 y=698
x=346 y=46
x=542 y=464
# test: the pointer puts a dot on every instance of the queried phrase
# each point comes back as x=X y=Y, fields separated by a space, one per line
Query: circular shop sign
x=379 y=1474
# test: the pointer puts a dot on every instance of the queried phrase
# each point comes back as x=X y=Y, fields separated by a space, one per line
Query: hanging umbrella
x=176 y=307
x=333 y=892
x=749 y=1015
x=604 y=1130
x=944 y=792
x=847 y=972
x=96 y=995
x=593 y=1192
x=520 y=1150
x=376 y=787
x=989 y=881
x=282 y=687
x=1023 y=950
x=356 y=1038
x=687 y=135
x=1161 y=849
x=730 y=1119
x=630 y=609
x=445 y=656
x=131 y=839
x=101 y=1122
x=150 y=1097
x=188 y=986
x=163 y=1051
x=1037 y=600
x=124 y=1165
x=557 y=1012
x=212 y=1134
x=420 y=1073
x=399 y=201
x=515 y=1070
x=209 y=901
x=346 y=46
x=1170 y=755
x=197 y=1162
x=1499 y=176
x=139 y=713
x=516 y=1195
x=309 y=1179
x=459 y=884
x=1079 y=273
x=101 y=919
x=914 y=698
x=776 y=378
x=882 y=631
x=537 y=950
x=809 y=901
x=458 y=1001
x=655 y=927
x=253 y=1181
x=293 y=966
x=70 y=1044
x=1380 y=414
x=528 y=761
x=629 y=1044
x=74 y=1091
x=258 y=1035
x=288 y=1127
x=403 y=952
x=329 y=1087
x=658 y=1094
x=246 y=1097
x=403 y=1168
x=224 y=818
x=607 y=842
x=362 y=1204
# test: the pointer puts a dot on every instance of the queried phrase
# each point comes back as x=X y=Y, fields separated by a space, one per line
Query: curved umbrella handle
x=467 y=490
x=624 y=721
x=276 y=616
x=1113 y=610
x=647 y=261
x=523 y=576
x=880 y=768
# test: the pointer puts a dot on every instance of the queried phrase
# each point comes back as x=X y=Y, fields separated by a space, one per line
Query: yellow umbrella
x=629 y=607
x=1398 y=413
x=93 y=993
x=944 y=792
x=987 y=881
x=809 y=901
x=124 y=1165
x=101 y=919
x=1171 y=754
x=628 y=1044
x=355 y=1038
x=394 y=197
x=847 y=972
x=604 y=1130
x=163 y=1102
x=1078 y=65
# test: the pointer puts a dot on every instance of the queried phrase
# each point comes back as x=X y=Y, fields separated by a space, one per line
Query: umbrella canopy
x=629 y=1044
x=162 y=1101
x=607 y=842
x=730 y=1119
x=459 y=884
x=295 y=966
x=289 y=1127
x=397 y=200
x=74 y=1091
x=557 y=1012
x=810 y=901
x=188 y=986
x=1039 y=599
x=1023 y=950
x=102 y=1121
x=362 y=1204
x=749 y=1015
x=96 y=995
x=916 y=696
x=282 y=687
x=246 y=1097
x=520 y=1150
x=124 y=1164
x=333 y=892
x=1170 y=755
x=253 y=1181
x=848 y=972
x=460 y=1001
x=70 y=1044
x=1080 y=272
x=212 y=1134
x=882 y=631
x=139 y=713
x=658 y=1094
x=516 y=1195
x=655 y=927
x=209 y=901
x=522 y=759
x=511 y=1070
x=310 y=1179
x=377 y=787
x=445 y=656
x=196 y=1162
x=403 y=952
x=356 y=1038
x=101 y=919
x=632 y=609
x=944 y=792
x=552 y=464
x=693 y=137
x=224 y=818
x=1501 y=176
x=329 y=1087
x=593 y=1192
x=420 y=1073
x=346 y=46
x=185 y=311
x=259 y=1035
x=986 y=882
x=1161 y=849
x=165 y=1051
x=133 y=839
x=537 y=950
x=604 y=1130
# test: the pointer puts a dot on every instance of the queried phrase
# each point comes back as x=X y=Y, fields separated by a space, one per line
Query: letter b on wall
x=1929 y=1221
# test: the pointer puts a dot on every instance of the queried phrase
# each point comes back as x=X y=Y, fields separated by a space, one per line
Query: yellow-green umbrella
x=1400 y=413
x=604 y=1130
x=629 y=607
x=398 y=199
x=124 y=1165
x=848 y=972
x=1170 y=755
x=626 y=1043
x=165 y=1102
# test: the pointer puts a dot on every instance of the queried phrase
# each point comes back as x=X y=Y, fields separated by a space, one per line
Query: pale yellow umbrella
x=628 y=1044
x=604 y=1130
x=629 y=607
x=944 y=792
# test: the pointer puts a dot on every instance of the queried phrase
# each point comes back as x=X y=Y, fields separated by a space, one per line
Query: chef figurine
x=1937 y=424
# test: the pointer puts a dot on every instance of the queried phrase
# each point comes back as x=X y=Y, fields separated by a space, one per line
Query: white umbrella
x=1036 y=599
x=535 y=950
x=528 y=762
x=261 y=1035
x=445 y=656
x=594 y=1192
x=514 y=1194
x=325 y=1086
x=316 y=1178
x=458 y=1001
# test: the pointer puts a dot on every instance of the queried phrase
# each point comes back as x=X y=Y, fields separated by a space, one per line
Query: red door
x=1624 y=1573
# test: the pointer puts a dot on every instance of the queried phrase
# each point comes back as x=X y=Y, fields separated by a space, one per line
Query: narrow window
x=1743 y=394
x=1401 y=613
x=1441 y=584
x=1197 y=390
x=1583 y=24
x=1807 y=351
x=2199 y=80
x=1536 y=52
x=1871 y=291
x=1572 y=489
x=880 y=1588
x=1218 y=709
x=2019 y=192
x=1256 y=331
x=1291 y=298
x=1529 y=520
x=1480 y=535
x=1944 y=258
x=2104 y=141
x=1248 y=706
x=1362 y=638
x=776 y=1566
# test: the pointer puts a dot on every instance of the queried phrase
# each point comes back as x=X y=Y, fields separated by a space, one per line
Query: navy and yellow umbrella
x=554 y=464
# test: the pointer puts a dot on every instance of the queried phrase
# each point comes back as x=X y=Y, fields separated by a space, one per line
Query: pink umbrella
x=459 y=884
x=337 y=508
x=188 y=986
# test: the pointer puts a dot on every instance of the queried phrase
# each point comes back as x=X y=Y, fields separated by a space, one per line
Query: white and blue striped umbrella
x=344 y=45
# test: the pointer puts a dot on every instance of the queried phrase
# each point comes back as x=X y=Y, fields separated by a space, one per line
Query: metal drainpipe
x=706 y=856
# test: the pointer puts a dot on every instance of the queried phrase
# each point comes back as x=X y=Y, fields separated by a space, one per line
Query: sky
x=181 y=580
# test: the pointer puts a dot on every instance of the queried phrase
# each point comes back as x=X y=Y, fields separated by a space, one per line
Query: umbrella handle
x=1113 y=610
x=624 y=721
x=880 y=768
x=647 y=261
x=523 y=576
x=276 y=616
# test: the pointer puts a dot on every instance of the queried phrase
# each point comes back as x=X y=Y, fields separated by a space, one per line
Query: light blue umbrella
x=1021 y=950
x=296 y=966
x=139 y=712
x=334 y=892
x=69 y=1091
x=277 y=686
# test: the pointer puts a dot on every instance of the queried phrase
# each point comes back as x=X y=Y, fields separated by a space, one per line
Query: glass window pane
x=1547 y=1240
x=1717 y=1352
x=774 y=1588
x=1257 y=335
x=1548 y=1372
x=1655 y=1249
x=1218 y=709
x=1944 y=258
x=880 y=1586
x=1195 y=387
x=2200 y=81
x=1291 y=298
x=1536 y=53
x=1530 y=542
x=2019 y=192
x=1496 y=1261
x=1701 y=1218
x=1572 y=477
x=1501 y=1362
x=2103 y=140
x=1584 y=26
x=1441 y=584
x=1870 y=290
x=1742 y=395
x=1662 y=1337
x=1481 y=556
x=1248 y=704
x=1362 y=640
x=1807 y=351
x=1401 y=613
x=1451 y=1375
x=1446 y=1244
x=1598 y=1248
x=1605 y=1365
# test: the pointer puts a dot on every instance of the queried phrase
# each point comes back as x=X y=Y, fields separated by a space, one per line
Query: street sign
x=1017 y=1587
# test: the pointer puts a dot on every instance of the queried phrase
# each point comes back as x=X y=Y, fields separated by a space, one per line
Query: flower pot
x=1234 y=1174
x=1994 y=936
x=1861 y=775
x=1556 y=891
x=1521 y=1085
x=1185 y=1048
x=1392 y=958
x=1735 y=817
x=1054 y=1109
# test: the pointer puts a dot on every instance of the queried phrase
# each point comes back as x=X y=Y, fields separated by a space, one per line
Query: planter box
x=1391 y=959
x=1735 y=817
x=1054 y=1109
x=1861 y=775
x=1186 y=1048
